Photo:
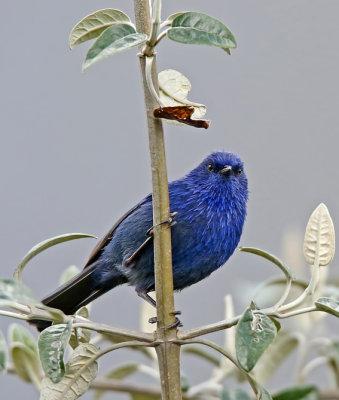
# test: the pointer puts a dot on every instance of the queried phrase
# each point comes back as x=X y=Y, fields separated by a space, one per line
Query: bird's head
x=221 y=169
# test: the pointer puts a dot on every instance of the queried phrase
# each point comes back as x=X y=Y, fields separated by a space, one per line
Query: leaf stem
x=149 y=80
x=160 y=36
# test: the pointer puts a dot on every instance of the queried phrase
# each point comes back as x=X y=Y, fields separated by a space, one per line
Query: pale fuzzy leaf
x=319 y=242
x=277 y=352
x=331 y=306
x=113 y=40
x=173 y=90
x=24 y=353
x=45 y=245
x=94 y=24
x=69 y=274
x=81 y=370
x=17 y=292
x=173 y=16
x=198 y=28
x=80 y=335
x=52 y=345
x=3 y=353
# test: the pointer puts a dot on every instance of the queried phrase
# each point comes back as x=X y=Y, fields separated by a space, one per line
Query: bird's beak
x=225 y=170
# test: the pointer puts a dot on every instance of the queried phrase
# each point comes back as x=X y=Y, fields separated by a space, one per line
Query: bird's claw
x=176 y=323
x=170 y=221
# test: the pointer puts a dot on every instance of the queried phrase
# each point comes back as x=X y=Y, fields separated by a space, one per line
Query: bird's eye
x=210 y=167
x=239 y=171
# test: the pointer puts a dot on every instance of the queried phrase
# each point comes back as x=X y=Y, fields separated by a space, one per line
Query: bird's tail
x=77 y=293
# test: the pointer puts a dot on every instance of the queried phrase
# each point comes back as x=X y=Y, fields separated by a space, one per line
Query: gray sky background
x=74 y=153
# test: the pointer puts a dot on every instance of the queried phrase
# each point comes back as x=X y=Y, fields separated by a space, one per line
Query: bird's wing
x=107 y=238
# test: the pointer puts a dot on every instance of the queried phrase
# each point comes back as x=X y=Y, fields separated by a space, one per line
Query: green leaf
x=3 y=353
x=69 y=274
x=276 y=353
x=198 y=28
x=119 y=373
x=289 y=273
x=255 y=332
x=45 y=245
x=114 y=39
x=197 y=351
x=298 y=393
x=234 y=394
x=24 y=353
x=15 y=291
x=94 y=24
x=329 y=305
x=52 y=345
x=81 y=370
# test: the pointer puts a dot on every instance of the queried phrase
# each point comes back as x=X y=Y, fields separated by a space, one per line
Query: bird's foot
x=176 y=323
x=170 y=221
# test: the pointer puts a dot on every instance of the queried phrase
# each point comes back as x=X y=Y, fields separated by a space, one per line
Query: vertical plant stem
x=168 y=352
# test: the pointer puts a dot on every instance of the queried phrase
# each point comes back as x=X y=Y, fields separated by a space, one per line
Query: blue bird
x=210 y=207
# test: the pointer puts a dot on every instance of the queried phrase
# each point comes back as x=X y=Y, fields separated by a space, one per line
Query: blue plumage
x=211 y=205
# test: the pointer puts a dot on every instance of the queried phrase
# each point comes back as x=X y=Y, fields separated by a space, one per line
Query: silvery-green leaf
x=16 y=292
x=45 y=245
x=173 y=16
x=319 y=242
x=52 y=345
x=255 y=332
x=24 y=353
x=3 y=353
x=114 y=39
x=329 y=305
x=119 y=373
x=234 y=394
x=275 y=260
x=298 y=393
x=272 y=358
x=173 y=90
x=199 y=28
x=94 y=24
x=81 y=370
x=69 y=274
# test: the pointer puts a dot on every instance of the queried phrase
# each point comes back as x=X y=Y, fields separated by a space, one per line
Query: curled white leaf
x=173 y=90
x=319 y=242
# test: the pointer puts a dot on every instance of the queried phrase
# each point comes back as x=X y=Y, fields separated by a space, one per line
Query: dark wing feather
x=107 y=238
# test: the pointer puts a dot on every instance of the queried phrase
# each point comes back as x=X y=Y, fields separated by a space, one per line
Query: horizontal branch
x=29 y=313
x=228 y=323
